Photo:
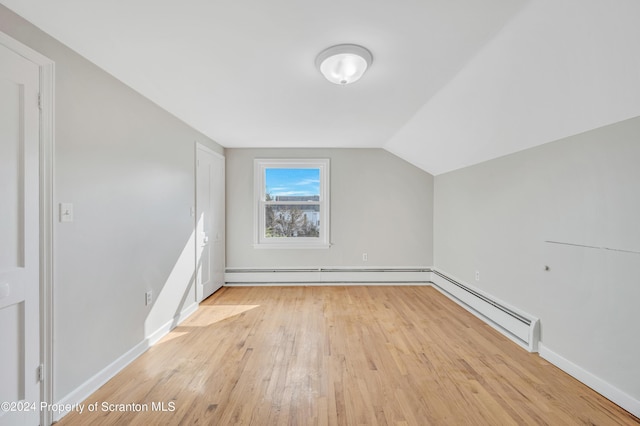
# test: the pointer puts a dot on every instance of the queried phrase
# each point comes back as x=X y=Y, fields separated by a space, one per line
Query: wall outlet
x=477 y=275
x=148 y=298
x=365 y=257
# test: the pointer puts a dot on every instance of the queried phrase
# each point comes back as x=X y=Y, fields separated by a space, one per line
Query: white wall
x=496 y=216
x=128 y=168
x=380 y=205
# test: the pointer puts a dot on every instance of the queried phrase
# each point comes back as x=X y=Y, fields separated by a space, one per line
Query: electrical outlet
x=148 y=298
x=477 y=275
x=365 y=257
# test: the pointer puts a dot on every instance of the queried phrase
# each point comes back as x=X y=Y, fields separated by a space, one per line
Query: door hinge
x=40 y=373
x=39 y=101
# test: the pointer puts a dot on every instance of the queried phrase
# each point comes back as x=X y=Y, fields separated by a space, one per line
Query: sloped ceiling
x=453 y=83
x=557 y=69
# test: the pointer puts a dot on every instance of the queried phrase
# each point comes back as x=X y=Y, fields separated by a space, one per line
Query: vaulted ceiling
x=453 y=82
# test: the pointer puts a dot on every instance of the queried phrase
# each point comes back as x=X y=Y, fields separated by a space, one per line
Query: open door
x=210 y=222
x=19 y=240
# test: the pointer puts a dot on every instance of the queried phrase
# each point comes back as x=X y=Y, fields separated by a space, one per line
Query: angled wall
x=128 y=168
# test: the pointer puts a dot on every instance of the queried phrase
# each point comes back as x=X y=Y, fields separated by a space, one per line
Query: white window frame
x=260 y=165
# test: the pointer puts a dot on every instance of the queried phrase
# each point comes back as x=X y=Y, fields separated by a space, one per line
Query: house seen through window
x=292 y=203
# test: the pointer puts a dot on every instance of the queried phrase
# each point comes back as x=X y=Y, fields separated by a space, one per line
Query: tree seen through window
x=292 y=203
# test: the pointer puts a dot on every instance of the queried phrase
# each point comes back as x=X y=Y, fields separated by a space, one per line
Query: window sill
x=291 y=246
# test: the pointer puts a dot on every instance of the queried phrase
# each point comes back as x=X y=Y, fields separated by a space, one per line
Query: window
x=292 y=203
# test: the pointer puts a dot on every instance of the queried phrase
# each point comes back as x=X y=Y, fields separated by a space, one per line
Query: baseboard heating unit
x=327 y=276
x=516 y=325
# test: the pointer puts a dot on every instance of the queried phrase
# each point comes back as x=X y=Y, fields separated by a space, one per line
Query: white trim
x=46 y=168
x=292 y=245
x=324 y=276
x=194 y=215
x=154 y=337
x=207 y=149
x=604 y=388
x=47 y=197
x=343 y=283
x=82 y=392
x=24 y=50
x=259 y=167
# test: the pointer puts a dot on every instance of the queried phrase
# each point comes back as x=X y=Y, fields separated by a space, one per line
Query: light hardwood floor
x=342 y=356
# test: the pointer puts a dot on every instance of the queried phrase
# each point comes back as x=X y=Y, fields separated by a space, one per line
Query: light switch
x=66 y=212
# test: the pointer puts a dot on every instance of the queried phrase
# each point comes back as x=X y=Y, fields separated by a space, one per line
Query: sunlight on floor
x=204 y=317
x=172 y=335
x=207 y=315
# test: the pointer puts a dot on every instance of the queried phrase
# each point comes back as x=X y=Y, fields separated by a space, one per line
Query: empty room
x=338 y=213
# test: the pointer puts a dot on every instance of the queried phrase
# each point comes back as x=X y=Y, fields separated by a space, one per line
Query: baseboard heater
x=516 y=325
x=325 y=276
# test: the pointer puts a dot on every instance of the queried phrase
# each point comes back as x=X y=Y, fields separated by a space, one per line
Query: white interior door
x=210 y=222
x=19 y=240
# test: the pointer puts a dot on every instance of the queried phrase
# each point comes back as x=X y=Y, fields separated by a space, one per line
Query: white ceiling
x=453 y=82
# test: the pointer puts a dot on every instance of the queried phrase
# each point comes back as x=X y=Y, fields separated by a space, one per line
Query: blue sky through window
x=298 y=182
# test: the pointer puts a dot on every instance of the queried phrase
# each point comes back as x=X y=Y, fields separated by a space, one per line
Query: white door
x=209 y=222
x=19 y=240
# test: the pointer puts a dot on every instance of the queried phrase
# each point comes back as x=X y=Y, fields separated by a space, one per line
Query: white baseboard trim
x=82 y=392
x=327 y=276
x=327 y=283
x=154 y=337
x=604 y=388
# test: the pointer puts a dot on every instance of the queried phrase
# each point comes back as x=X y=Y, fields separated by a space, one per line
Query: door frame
x=46 y=200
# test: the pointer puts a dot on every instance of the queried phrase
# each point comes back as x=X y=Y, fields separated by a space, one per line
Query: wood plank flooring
x=342 y=356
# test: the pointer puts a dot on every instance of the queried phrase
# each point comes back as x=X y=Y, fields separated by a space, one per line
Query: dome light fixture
x=344 y=63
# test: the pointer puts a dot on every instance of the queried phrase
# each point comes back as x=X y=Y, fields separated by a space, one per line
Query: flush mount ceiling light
x=344 y=63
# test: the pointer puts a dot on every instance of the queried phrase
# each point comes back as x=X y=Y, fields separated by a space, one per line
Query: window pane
x=292 y=203
x=292 y=221
x=282 y=184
